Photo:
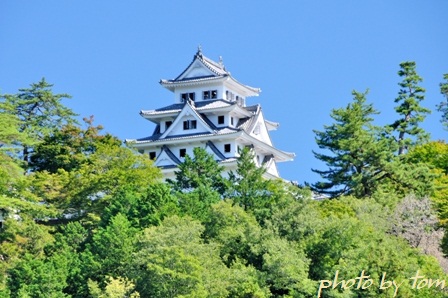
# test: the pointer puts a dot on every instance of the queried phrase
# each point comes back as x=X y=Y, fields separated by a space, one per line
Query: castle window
x=220 y=119
x=185 y=96
x=168 y=124
x=210 y=94
x=227 y=148
x=189 y=124
x=152 y=155
x=231 y=120
x=182 y=152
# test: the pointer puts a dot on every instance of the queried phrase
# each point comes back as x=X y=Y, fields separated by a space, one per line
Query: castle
x=209 y=111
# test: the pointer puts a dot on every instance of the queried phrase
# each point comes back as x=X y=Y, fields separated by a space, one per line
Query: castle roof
x=203 y=70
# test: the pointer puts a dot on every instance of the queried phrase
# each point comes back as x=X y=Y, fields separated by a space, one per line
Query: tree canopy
x=85 y=216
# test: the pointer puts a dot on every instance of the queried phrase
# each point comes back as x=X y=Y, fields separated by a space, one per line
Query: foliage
x=199 y=184
x=199 y=170
x=173 y=260
x=443 y=106
x=115 y=288
x=93 y=219
x=360 y=154
x=435 y=156
x=69 y=147
x=249 y=189
x=39 y=111
x=409 y=109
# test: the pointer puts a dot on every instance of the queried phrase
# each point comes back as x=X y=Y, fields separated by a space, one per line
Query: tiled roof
x=209 y=123
x=248 y=123
x=190 y=80
x=156 y=138
x=199 y=105
x=216 y=68
x=171 y=154
x=215 y=150
x=218 y=72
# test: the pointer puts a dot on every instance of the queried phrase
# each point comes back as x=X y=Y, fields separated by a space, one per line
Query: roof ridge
x=170 y=154
x=215 y=150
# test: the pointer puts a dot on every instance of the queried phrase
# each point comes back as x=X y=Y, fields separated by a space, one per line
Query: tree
x=116 y=288
x=359 y=152
x=200 y=170
x=10 y=167
x=409 y=108
x=173 y=261
x=443 y=106
x=247 y=186
x=39 y=111
x=199 y=184
x=86 y=191
x=69 y=147
x=435 y=155
x=113 y=246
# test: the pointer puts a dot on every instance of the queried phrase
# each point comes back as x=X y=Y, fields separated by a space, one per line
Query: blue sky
x=306 y=56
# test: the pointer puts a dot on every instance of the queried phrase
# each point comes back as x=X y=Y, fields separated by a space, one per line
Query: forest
x=83 y=215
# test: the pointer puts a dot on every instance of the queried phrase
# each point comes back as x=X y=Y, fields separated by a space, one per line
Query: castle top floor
x=205 y=79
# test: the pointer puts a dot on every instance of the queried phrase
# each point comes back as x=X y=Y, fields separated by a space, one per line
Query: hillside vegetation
x=83 y=216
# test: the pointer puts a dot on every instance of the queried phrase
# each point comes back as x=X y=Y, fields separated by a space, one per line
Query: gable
x=196 y=70
x=259 y=129
x=188 y=121
x=166 y=159
x=211 y=149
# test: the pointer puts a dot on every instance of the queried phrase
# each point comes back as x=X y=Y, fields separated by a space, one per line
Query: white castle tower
x=209 y=111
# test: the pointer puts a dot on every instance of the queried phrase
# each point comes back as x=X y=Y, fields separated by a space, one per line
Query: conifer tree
x=358 y=151
x=201 y=170
x=409 y=108
x=247 y=186
x=39 y=111
x=443 y=106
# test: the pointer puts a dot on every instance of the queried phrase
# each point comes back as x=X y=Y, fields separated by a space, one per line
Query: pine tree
x=247 y=186
x=358 y=151
x=39 y=111
x=443 y=106
x=409 y=109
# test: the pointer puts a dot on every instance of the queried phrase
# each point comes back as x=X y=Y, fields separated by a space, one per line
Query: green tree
x=113 y=245
x=435 y=155
x=199 y=184
x=40 y=113
x=38 y=277
x=443 y=106
x=116 y=288
x=10 y=166
x=249 y=189
x=143 y=208
x=69 y=147
x=237 y=232
x=359 y=153
x=200 y=170
x=173 y=261
x=90 y=188
x=409 y=109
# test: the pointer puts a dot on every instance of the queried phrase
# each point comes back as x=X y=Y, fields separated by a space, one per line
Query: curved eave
x=173 y=84
x=243 y=89
x=279 y=155
x=270 y=125
x=228 y=79
x=155 y=116
x=194 y=138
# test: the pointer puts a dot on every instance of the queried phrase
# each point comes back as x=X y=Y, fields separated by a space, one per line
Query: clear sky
x=306 y=56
